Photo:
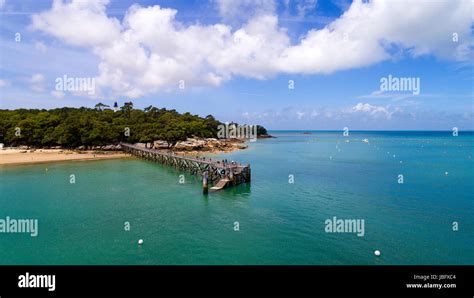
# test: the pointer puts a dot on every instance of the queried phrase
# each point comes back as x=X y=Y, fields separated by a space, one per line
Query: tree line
x=74 y=127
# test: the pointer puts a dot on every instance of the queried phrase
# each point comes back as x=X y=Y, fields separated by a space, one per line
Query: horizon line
x=366 y=130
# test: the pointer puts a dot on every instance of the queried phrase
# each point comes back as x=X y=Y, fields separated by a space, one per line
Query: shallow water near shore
x=279 y=222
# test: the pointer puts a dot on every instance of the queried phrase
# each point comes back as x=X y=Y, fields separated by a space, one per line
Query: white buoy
x=446 y=173
x=140 y=242
x=377 y=253
x=401 y=161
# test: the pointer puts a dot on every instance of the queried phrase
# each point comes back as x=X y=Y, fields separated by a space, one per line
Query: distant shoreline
x=277 y=131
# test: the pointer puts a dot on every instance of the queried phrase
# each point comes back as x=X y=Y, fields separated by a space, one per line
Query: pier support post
x=232 y=177
x=205 y=187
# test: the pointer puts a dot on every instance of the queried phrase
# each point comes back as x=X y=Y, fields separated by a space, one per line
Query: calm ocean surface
x=280 y=223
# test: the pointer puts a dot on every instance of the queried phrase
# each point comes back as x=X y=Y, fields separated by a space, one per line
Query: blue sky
x=237 y=59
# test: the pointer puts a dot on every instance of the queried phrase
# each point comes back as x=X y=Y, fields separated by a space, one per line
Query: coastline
x=13 y=156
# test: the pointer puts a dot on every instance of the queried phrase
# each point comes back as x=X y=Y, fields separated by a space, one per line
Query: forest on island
x=74 y=127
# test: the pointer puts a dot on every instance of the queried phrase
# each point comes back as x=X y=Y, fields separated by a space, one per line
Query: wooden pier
x=217 y=172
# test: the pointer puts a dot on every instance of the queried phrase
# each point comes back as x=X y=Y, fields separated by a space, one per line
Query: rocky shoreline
x=195 y=146
x=190 y=146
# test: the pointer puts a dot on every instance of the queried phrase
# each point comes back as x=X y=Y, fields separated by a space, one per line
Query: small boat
x=365 y=141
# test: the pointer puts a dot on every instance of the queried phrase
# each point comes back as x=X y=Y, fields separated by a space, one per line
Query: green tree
x=127 y=108
x=73 y=127
x=100 y=106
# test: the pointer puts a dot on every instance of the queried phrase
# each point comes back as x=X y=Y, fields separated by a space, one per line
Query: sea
x=413 y=190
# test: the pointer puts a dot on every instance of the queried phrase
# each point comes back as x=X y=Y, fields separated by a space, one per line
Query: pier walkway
x=222 y=174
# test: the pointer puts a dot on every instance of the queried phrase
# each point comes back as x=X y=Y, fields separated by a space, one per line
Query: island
x=40 y=135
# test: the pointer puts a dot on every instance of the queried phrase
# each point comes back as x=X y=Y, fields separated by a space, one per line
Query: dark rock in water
x=265 y=136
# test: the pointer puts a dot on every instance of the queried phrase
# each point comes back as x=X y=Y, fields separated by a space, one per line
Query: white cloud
x=57 y=94
x=295 y=115
x=4 y=83
x=300 y=115
x=314 y=114
x=80 y=22
x=37 y=78
x=364 y=111
x=253 y=50
x=328 y=114
x=151 y=51
x=371 y=110
x=306 y=6
x=363 y=34
x=395 y=96
x=37 y=82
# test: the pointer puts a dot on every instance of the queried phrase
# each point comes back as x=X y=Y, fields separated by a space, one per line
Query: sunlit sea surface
x=279 y=222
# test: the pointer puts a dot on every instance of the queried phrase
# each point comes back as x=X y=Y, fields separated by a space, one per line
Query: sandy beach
x=23 y=156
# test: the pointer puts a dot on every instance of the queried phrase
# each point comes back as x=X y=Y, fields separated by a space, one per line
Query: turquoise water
x=280 y=222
